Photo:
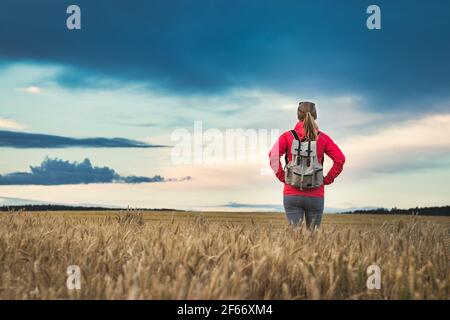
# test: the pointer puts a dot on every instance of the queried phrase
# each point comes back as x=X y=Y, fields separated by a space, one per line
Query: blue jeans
x=297 y=207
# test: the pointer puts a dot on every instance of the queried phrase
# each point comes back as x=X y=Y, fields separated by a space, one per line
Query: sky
x=99 y=115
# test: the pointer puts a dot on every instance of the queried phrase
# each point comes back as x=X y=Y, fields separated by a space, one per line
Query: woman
x=306 y=202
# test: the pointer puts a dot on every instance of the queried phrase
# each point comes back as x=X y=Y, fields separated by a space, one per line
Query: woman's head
x=307 y=113
x=304 y=107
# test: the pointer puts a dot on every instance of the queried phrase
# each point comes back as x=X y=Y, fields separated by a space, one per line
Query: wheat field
x=169 y=255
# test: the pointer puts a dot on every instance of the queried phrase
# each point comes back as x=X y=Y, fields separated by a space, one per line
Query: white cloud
x=408 y=144
x=10 y=124
x=30 y=90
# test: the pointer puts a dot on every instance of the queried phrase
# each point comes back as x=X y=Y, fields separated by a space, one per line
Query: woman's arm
x=277 y=151
x=333 y=151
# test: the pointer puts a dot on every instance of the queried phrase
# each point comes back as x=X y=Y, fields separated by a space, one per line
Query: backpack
x=304 y=170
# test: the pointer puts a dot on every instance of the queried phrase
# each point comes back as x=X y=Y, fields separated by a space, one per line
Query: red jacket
x=325 y=145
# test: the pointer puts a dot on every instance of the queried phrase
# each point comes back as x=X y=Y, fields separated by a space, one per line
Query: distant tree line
x=425 y=211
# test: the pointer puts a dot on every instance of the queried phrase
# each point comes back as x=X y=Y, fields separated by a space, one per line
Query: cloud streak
x=30 y=90
x=60 y=172
x=34 y=140
x=10 y=124
x=265 y=207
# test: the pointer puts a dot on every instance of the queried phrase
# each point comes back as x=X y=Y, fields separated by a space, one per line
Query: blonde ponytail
x=307 y=113
x=310 y=127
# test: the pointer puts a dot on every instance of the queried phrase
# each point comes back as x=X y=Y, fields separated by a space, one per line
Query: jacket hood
x=299 y=129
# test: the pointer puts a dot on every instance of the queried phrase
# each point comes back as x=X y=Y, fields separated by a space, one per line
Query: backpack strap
x=308 y=151
x=299 y=149
x=294 y=133
x=317 y=139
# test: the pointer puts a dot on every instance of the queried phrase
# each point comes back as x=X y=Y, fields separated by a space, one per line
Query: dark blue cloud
x=211 y=46
x=60 y=172
x=136 y=179
x=15 y=139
